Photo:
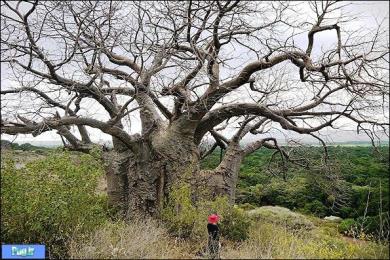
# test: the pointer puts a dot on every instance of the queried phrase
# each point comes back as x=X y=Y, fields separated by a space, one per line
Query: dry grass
x=267 y=240
x=275 y=241
x=135 y=240
x=147 y=239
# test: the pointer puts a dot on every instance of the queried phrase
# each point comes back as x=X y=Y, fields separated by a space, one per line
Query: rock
x=333 y=218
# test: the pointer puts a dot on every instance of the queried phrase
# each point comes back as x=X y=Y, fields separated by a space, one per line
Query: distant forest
x=353 y=184
x=25 y=146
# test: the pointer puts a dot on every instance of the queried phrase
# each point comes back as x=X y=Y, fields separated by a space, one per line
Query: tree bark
x=138 y=183
x=223 y=180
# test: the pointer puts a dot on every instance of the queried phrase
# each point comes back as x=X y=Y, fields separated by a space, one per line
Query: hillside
x=267 y=240
x=68 y=212
x=353 y=185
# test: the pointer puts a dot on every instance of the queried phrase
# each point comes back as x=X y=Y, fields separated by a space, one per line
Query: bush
x=372 y=226
x=187 y=219
x=179 y=213
x=366 y=228
x=346 y=225
x=316 y=208
x=50 y=200
x=234 y=222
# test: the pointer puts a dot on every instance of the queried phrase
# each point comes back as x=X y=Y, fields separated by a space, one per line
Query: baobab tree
x=187 y=71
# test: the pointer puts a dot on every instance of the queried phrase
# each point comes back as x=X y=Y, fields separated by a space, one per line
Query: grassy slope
x=148 y=239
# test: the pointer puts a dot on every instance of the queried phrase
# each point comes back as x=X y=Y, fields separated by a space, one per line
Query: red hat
x=213 y=219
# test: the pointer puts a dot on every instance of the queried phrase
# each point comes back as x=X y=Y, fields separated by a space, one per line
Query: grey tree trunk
x=138 y=183
x=223 y=180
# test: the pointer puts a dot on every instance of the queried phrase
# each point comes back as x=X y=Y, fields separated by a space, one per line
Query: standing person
x=213 y=230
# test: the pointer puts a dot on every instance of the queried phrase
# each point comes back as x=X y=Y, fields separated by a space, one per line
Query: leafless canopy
x=252 y=66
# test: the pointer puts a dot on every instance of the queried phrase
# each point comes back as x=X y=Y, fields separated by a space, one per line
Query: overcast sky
x=371 y=12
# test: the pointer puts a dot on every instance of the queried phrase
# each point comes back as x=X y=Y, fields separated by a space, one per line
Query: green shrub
x=50 y=200
x=235 y=224
x=187 y=219
x=371 y=224
x=367 y=228
x=316 y=208
x=346 y=225
x=179 y=213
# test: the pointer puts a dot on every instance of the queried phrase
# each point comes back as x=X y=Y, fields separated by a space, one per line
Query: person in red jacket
x=213 y=230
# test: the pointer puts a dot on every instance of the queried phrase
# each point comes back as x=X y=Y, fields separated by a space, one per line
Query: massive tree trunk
x=138 y=182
